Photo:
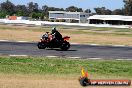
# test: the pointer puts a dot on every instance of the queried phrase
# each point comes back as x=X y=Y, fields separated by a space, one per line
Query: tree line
x=34 y=11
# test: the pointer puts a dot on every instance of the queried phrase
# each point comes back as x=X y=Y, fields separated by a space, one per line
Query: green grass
x=63 y=66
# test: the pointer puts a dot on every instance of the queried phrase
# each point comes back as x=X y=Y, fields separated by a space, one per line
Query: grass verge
x=62 y=66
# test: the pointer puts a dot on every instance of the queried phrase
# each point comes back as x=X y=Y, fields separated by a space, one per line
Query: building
x=17 y=18
x=70 y=17
x=22 y=18
x=110 y=19
x=12 y=17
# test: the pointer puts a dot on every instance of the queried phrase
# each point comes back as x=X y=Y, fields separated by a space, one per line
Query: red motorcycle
x=50 y=42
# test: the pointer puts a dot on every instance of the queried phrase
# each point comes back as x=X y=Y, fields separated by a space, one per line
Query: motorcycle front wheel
x=41 y=45
x=65 y=46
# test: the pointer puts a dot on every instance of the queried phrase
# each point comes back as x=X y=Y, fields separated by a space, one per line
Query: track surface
x=83 y=51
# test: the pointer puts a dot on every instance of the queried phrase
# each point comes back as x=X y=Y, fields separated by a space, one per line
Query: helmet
x=54 y=29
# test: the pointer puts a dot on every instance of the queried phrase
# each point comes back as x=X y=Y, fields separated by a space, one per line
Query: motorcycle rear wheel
x=41 y=45
x=65 y=46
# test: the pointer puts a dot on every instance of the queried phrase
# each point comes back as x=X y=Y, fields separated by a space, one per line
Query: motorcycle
x=50 y=42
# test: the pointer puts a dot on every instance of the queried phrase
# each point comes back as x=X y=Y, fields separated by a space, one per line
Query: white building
x=70 y=17
x=110 y=19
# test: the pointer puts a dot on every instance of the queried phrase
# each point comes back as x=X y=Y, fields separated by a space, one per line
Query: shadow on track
x=56 y=49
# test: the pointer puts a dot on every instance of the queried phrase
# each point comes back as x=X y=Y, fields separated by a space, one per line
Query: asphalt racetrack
x=82 y=51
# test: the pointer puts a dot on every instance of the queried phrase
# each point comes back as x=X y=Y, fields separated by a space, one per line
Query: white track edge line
x=95 y=58
x=124 y=59
x=51 y=56
x=94 y=44
x=119 y=45
x=13 y=55
x=4 y=40
x=74 y=57
x=22 y=41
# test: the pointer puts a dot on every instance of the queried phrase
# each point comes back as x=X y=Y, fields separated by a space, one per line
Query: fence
x=40 y=23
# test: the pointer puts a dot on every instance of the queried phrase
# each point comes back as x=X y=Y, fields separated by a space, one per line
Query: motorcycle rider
x=56 y=35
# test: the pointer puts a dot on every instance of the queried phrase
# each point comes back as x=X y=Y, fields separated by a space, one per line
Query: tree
x=45 y=11
x=102 y=11
x=2 y=14
x=36 y=8
x=99 y=11
x=32 y=7
x=118 y=12
x=37 y=15
x=87 y=11
x=107 y=12
x=79 y=10
x=128 y=7
x=7 y=7
x=21 y=10
x=45 y=8
x=74 y=9
x=55 y=9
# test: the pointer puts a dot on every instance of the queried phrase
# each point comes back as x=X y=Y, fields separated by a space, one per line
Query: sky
x=110 y=4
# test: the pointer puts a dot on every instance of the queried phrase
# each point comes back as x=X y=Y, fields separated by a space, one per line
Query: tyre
x=65 y=46
x=84 y=82
x=41 y=45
